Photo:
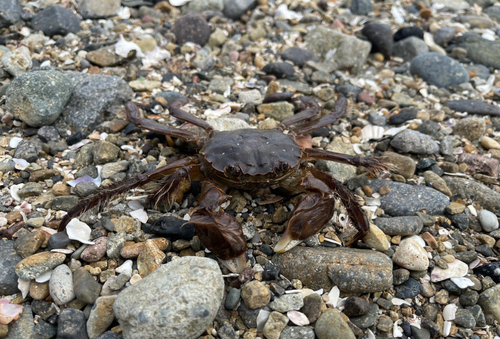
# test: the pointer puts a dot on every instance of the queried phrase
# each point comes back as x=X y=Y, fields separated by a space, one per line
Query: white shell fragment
x=14 y=142
x=283 y=13
x=449 y=312
x=393 y=131
x=334 y=296
x=79 y=231
x=399 y=302
x=140 y=215
x=298 y=318
x=124 y=47
x=178 y=3
x=13 y=191
x=462 y=282
x=44 y=277
x=20 y=164
x=371 y=132
x=455 y=269
x=125 y=268
x=446 y=328
x=396 y=331
x=24 y=286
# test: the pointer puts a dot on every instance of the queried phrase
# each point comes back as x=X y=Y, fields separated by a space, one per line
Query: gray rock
x=220 y=85
x=361 y=7
x=97 y=9
x=404 y=199
x=8 y=261
x=488 y=220
x=480 y=71
x=178 y=300
x=56 y=20
x=48 y=133
x=87 y=289
x=71 y=324
x=44 y=330
x=11 y=12
x=94 y=96
x=407 y=225
x=444 y=35
x=410 y=141
x=493 y=12
x=470 y=128
x=287 y=302
x=480 y=50
x=367 y=319
x=64 y=202
x=409 y=48
x=27 y=150
x=350 y=52
x=232 y=299
x=7 y=166
x=115 y=244
x=380 y=36
x=199 y=6
x=439 y=70
x=297 y=332
x=110 y=169
x=352 y=270
x=473 y=107
x=23 y=327
x=477 y=192
x=464 y=318
x=297 y=55
x=101 y=316
x=234 y=9
x=331 y=325
x=38 y=98
x=420 y=333
x=61 y=285
x=31 y=189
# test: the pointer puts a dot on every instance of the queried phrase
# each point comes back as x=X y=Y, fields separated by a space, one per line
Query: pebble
x=86 y=288
x=234 y=9
x=439 y=70
x=22 y=327
x=409 y=31
x=380 y=36
x=61 y=286
x=287 y=302
x=400 y=225
x=410 y=141
x=255 y=295
x=473 y=107
x=356 y=306
x=411 y=255
x=408 y=289
x=367 y=319
x=72 y=324
x=488 y=220
x=405 y=165
x=274 y=325
x=409 y=48
x=232 y=298
x=37 y=264
x=171 y=227
x=191 y=28
x=297 y=55
x=29 y=243
x=332 y=325
x=337 y=267
x=312 y=307
x=297 y=332
x=101 y=316
x=187 y=276
x=467 y=189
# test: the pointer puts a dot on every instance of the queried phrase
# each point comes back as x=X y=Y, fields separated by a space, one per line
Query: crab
x=247 y=159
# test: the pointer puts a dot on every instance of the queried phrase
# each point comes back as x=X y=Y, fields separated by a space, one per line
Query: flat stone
x=86 y=288
x=405 y=165
x=410 y=141
x=101 y=316
x=400 y=225
x=331 y=325
x=37 y=264
x=71 y=324
x=352 y=270
x=61 y=285
x=439 y=70
x=473 y=107
x=477 y=192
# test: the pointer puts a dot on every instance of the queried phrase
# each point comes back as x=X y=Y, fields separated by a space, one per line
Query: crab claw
x=286 y=243
x=221 y=233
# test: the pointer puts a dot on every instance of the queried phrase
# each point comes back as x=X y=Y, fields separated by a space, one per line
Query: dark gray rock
x=72 y=324
x=27 y=150
x=409 y=48
x=367 y=319
x=410 y=31
x=469 y=298
x=170 y=227
x=330 y=323
x=279 y=69
x=64 y=202
x=8 y=262
x=38 y=98
x=299 y=56
x=439 y=70
x=350 y=269
x=420 y=333
x=56 y=20
x=232 y=298
x=59 y=240
x=48 y=133
x=408 y=225
x=94 y=97
x=234 y=9
x=493 y=12
x=409 y=289
x=44 y=330
x=348 y=91
x=192 y=28
x=464 y=318
x=380 y=36
x=87 y=289
x=356 y=306
x=110 y=335
x=23 y=327
x=405 y=114
x=404 y=199
x=473 y=107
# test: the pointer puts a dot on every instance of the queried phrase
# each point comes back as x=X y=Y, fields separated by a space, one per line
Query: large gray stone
x=477 y=192
x=178 y=300
x=480 y=50
x=439 y=70
x=38 y=98
x=352 y=270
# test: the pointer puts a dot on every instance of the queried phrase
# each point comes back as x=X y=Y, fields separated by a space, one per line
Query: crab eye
x=281 y=167
x=233 y=170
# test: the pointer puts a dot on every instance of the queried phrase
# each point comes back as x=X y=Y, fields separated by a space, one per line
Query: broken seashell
x=8 y=311
x=44 y=277
x=125 y=268
x=298 y=318
x=20 y=164
x=178 y=3
x=456 y=269
x=449 y=312
x=462 y=282
x=13 y=191
x=140 y=215
x=333 y=296
x=14 y=142
x=399 y=302
x=371 y=132
x=79 y=231
x=24 y=286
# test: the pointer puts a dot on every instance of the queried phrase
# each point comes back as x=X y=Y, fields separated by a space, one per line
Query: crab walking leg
x=176 y=112
x=310 y=214
x=339 y=110
x=219 y=231
x=372 y=164
x=316 y=209
x=104 y=195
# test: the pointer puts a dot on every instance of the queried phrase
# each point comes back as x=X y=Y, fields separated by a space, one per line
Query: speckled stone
x=29 y=243
x=255 y=294
x=489 y=300
x=352 y=270
x=61 y=285
x=407 y=225
x=411 y=255
x=287 y=302
x=37 y=264
x=8 y=261
x=274 y=325
x=95 y=252
x=87 y=289
x=101 y=316
x=331 y=325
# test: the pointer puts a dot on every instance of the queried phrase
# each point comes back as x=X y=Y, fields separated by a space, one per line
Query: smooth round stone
x=444 y=35
x=409 y=31
x=380 y=36
x=464 y=318
x=400 y=225
x=191 y=28
x=170 y=227
x=312 y=307
x=95 y=252
x=439 y=70
x=279 y=69
x=101 y=316
x=232 y=299
x=469 y=298
x=410 y=141
x=411 y=255
x=61 y=285
x=356 y=306
x=37 y=264
x=488 y=220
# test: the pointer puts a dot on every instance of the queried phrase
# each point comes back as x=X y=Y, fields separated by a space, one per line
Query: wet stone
x=232 y=298
x=350 y=269
x=367 y=319
x=469 y=298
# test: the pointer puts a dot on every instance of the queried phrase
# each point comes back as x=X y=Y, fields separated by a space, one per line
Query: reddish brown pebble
x=13 y=217
x=61 y=189
x=429 y=239
x=384 y=190
x=366 y=97
x=118 y=124
x=425 y=13
x=95 y=252
x=368 y=191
